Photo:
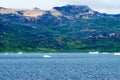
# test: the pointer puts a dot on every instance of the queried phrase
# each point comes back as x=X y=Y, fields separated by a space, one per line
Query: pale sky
x=107 y=6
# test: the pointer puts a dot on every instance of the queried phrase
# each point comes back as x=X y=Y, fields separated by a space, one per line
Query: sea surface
x=60 y=66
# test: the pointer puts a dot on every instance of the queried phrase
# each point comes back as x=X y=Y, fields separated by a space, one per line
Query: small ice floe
x=117 y=54
x=46 y=56
x=93 y=52
x=20 y=53
x=6 y=53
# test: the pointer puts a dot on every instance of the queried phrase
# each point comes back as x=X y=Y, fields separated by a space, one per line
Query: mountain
x=70 y=28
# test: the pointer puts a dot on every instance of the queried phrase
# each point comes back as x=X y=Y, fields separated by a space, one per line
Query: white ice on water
x=20 y=53
x=117 y=54
x=46 y=56
x=93 y=52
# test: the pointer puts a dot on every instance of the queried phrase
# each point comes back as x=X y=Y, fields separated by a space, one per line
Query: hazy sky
x=107 y=6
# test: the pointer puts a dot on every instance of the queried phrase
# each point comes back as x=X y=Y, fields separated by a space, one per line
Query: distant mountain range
x=70 y=28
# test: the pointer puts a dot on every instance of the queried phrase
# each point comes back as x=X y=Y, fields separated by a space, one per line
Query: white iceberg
x=6 y=53
x=46 y=56
x=20 y=53
x=117 y=54
x=93 y=52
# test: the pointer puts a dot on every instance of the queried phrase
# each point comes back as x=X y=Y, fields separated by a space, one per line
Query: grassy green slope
x=83 y=36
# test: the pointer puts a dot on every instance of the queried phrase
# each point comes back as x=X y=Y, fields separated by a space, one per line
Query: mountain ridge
x=37 y=10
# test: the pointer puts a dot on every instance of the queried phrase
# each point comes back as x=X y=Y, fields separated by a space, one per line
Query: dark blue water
x=59 y=67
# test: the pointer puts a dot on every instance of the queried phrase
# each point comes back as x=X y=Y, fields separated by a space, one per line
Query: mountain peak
x=77 y=6
x=71 y=10
x=36 y=8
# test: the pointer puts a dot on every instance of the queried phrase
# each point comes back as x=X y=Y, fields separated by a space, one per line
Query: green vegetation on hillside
x=49 y=34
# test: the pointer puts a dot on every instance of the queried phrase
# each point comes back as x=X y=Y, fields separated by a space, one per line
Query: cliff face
x=70 y=28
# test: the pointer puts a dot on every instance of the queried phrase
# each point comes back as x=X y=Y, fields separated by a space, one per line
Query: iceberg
x=20 y=53
x=93 y=52
x=117 y=53
x=46 y=56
